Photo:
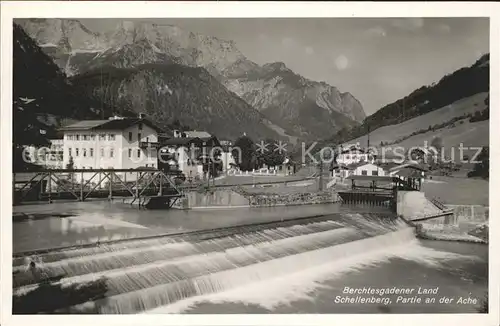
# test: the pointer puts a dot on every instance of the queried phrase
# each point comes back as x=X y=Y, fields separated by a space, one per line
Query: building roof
x=181 y=141
x=338 y=167
x=352 y=150
x=409 y=173
x=410 y=165
x=353 y=166
x=372 y=177
x=388 y=165
x=114 y=124
x=198 y=134
x=84 y=125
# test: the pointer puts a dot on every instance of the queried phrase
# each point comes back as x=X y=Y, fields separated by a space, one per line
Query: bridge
x=81 y=184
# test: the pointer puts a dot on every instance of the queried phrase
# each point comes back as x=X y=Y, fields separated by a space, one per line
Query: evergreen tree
x=246 y=157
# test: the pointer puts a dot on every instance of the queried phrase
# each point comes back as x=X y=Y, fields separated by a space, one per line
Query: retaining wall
x=237 y=197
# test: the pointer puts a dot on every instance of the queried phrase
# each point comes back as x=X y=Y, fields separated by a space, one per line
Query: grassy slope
x=458 y=191
x=471 y=134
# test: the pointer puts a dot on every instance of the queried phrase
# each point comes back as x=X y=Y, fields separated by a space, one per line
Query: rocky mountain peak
x=309 y=107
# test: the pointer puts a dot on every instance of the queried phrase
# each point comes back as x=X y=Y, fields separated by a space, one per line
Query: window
x=146 y=165
x=130 y=136
x=139 y=137
x=153 y=165
x=147 y=139
x=140 y=126
x=348 y=157
x=84 y=152
x=77 y=137
x=69 y=151
x=364 y=172
x=102 y=137
x=375 y=172
x=91 y=152
x=111 y=153
x=92 y=137
x=111 y=137
x=102 y=152
x=129 y=152
x=77 y=152
x=138 y=153
x=85 y=137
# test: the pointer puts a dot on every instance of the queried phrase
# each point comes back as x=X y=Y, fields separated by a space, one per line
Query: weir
x=141 y=275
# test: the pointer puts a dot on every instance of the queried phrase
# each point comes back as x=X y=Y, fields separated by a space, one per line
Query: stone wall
x=211 y=198
x=468 y=223
x=269 y=200
x=238 y=197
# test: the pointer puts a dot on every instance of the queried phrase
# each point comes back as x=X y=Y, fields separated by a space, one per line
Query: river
x=301 y=267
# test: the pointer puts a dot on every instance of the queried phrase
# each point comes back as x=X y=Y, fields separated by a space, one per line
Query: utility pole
x=368 y=142
x=320 y=184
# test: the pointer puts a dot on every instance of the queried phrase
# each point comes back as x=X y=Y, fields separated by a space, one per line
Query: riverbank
x=437 y=221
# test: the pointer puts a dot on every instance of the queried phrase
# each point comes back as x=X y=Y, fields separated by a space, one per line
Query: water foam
x=302 y=285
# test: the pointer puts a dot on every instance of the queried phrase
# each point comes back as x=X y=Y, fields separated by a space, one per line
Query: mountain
x=292 y=101
x=42 y=95
x=172 y=91
x=300 y=106
x=443 y=95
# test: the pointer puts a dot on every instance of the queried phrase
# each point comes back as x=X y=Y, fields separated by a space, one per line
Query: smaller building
x=361 y=168
x=339 y=171
x=353 y=155
x=47 y=157
x=412 y=173
x=180 y=154
x=370 y=169
x=227 y=159
x=55 y=156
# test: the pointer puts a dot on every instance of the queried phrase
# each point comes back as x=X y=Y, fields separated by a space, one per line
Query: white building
x=368 y=169
x=361 y=168
x=228 y=161
x=353 y=155
x=117 y=143
x=48 y=157
x=181 y=154
x=55 y=157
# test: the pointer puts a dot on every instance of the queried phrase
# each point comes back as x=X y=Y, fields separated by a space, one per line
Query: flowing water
x=173 y=273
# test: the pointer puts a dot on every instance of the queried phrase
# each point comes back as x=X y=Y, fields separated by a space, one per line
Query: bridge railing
x=61 y=183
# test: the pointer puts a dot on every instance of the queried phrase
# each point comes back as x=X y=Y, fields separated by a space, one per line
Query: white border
x=114 y=9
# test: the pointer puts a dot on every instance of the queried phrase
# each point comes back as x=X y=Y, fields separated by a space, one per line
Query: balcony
x=149 y=145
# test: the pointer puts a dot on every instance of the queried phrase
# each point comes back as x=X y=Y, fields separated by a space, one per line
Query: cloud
x=288 y=42
x=309 y=50
x=443 y=28
x=263 y=37
x=342 y=62
x=376 y=32
x=408 y=24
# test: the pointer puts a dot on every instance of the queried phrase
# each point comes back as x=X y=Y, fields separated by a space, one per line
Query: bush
x=482 y=169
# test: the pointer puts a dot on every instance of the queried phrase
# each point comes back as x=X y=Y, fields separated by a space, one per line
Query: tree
x=244 y=153
x=437 y=143
x=71 y=164
x=270 y=156
x=482 y=168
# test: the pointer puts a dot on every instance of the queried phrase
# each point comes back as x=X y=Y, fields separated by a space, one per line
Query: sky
x=378 y=60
